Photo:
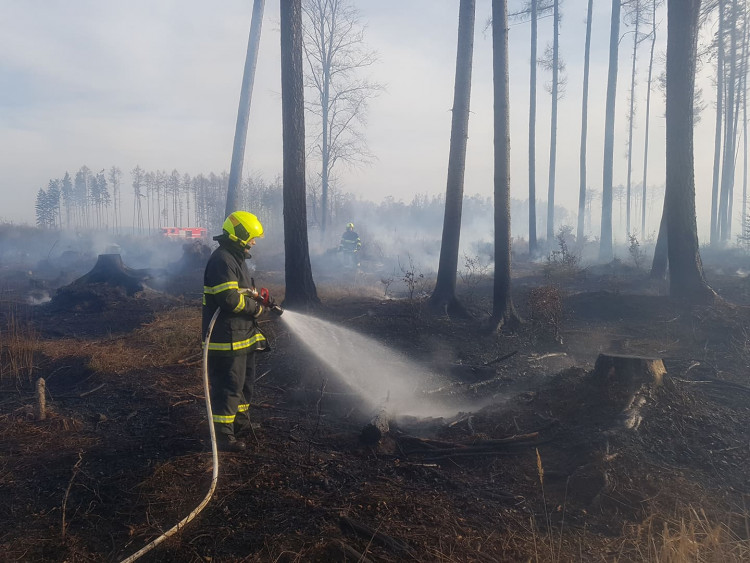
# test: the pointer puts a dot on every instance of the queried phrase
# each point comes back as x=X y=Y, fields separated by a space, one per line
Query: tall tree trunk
x=503 y=311
x=325 y=105
x=553 y=124
x=661 y=258
x=243 y=113
x=717 y=131
x=605 y=241
x=743 y=225
x=727 y=164
x=325 y=151
x=584 y=127
x=532 y=132
x=300 y=287
x=444 y=297
x=631 y=114
x=686 y=278
x=648 y=121
x=739 y=70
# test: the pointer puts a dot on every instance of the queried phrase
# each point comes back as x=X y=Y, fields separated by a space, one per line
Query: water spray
x=376 y=372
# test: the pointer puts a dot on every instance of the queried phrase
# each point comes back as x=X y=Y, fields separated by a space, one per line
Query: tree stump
x=626 y=381
x=109 y=269
x=378 y=427
x=41 y=399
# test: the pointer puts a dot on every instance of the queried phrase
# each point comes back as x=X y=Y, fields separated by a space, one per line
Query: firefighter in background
x=236 y=337
x=350 y=245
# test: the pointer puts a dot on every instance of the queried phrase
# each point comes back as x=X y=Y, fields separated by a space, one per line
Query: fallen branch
x=262 y=375
x=350 y=551
x=717 y=383
x=429 y=443
x=479 y=453
x=94 y=390
x=190 y=358
x=488 y=447
x=347 y=524
x=510 y=439
x=438 y=446
x=501 y=358
x=76 y=467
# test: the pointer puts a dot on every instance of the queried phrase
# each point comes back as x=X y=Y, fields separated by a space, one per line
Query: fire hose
x=262 y=297
x=214 y=452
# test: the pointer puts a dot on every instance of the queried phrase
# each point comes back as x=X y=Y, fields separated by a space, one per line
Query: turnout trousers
x=232 y=380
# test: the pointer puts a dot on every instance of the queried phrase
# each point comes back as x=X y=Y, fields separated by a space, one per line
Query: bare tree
x=746 y=39
x=584 y=125
x=443 y=298
x=243 y=113
x=728 y=158
x=533 y=10
x=654 y=4
x=557 y=87
x=718 y=127
x=532 y=129
x=605 y=242
x=635 y=16
x=335 y=52
x=503 y=311
x=300 y=287
x=114 y=179
x=186 y=188
x=686 y=279
x=138 y=176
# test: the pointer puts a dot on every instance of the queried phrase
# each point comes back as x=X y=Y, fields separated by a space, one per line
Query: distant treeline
x=160 y=199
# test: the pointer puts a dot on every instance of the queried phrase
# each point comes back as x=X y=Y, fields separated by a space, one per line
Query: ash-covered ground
x=544 y=464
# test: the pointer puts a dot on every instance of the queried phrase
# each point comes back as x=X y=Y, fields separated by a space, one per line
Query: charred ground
x=546 y=471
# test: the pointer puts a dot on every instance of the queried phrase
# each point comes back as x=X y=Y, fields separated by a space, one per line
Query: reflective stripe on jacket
x=350 y=241
x=236 y=330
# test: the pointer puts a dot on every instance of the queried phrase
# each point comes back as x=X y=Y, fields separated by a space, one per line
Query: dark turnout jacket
x=350 y=241
x=236 y=331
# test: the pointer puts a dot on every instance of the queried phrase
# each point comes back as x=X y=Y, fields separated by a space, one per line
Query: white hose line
x=214 y=451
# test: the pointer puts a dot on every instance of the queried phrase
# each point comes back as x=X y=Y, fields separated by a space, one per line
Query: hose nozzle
x=276 y=309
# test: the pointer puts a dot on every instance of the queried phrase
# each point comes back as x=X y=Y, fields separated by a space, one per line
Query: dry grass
x=546 y=310
x=690 y=537
x=19 y=343
x=173 y=336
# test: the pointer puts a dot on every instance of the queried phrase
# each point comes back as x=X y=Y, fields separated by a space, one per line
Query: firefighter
x=350 y=244
x=236 y=337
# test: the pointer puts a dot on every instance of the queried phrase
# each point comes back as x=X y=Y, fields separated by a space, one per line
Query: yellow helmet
x=242 y=226
x=350 y=226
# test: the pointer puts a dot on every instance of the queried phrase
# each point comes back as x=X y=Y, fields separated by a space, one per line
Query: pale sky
x=156 y=84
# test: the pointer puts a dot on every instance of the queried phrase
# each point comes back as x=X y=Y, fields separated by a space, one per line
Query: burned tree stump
x=378 y=427
x=626 y=381
x=630 y=372
x=109 y=269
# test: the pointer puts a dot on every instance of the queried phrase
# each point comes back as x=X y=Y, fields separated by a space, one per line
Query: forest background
x=83 y=91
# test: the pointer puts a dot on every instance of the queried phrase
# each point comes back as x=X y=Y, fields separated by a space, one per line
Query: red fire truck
x=184 y=232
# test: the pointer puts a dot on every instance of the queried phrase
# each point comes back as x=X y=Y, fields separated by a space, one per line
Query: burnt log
x=378 y=427
x=109 y=269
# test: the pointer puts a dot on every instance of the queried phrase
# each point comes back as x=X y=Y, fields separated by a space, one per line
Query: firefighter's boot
x=228 y=443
